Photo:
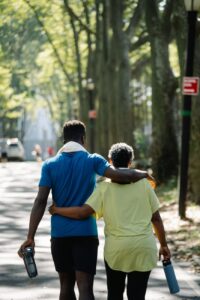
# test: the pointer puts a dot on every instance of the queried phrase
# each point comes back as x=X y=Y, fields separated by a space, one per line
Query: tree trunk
x=116 y=76
x=194 y=165
x=101 y=77
x=83 y=109
x=121 y=71
x=164 y=84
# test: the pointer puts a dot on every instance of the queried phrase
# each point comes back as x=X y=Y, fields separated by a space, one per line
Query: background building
x=39 y=129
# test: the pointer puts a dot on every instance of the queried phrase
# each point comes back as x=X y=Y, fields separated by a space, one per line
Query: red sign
x=190 y=86
x=92 y=114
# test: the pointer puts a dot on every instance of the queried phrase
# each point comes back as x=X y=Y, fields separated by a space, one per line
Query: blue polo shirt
x=72 y=178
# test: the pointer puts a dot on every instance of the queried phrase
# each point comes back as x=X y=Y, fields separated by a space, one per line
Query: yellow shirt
x=127 y=211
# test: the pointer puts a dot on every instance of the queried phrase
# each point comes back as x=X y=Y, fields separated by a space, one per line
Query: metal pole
x=186 y=116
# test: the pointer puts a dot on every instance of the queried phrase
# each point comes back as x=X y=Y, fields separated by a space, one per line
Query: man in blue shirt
x=71 y=176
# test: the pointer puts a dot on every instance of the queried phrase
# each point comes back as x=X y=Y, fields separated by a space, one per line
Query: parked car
x=15 y=149
x=12 y=149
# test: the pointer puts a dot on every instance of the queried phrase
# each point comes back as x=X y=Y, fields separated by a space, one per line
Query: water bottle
x=171 y=277
x=29 y=262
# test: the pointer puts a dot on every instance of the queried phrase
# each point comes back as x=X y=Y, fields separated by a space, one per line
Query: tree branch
x=40 y=22
x=135 y=18
x=72 y=14
x=140 y=42
x=139 y=65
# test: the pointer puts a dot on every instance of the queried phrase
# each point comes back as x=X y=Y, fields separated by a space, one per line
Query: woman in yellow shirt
x=128 y=211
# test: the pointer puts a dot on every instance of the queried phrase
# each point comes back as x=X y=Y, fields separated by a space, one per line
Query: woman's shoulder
x=140 y=185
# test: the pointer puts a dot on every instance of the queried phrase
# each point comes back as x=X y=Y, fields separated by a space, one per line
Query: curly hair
x=121 y=154
x=73 y=130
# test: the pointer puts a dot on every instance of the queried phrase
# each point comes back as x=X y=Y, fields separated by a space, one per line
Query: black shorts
x=75 y=254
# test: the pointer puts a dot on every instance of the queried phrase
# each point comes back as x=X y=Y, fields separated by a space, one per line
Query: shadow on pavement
x=18 y=186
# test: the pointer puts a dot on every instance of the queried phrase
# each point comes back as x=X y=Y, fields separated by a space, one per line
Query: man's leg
x=67 y=282
x=137 y=285
x=115 y=283
x=63 y=261
x=85 y=260
x=85 y=285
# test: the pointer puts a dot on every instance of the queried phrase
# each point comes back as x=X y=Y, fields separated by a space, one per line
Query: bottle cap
x=166 y=262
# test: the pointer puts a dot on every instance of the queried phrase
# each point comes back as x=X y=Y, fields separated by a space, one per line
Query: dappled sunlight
x=17 y=192
x=170 y=216
x=183 y=235
x=130 y=70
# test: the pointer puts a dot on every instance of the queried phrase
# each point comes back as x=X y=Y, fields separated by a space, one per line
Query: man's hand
x=149 y=177
x=37 y=213
x=27 y=243
x=151 y=180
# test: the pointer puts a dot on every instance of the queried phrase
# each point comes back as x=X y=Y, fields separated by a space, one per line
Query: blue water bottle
x=171 y=277
x=29 y=262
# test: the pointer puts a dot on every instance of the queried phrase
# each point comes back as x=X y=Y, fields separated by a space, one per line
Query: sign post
x=189 y=89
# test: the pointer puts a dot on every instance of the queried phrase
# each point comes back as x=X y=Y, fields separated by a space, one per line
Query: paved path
x=18 y=185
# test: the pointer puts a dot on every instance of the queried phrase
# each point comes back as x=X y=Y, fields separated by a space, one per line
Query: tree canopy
x=133 y=51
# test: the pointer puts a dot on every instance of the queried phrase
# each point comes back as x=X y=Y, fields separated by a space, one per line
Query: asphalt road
x=18 y=187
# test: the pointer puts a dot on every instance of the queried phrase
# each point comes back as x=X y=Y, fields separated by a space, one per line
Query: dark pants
x=136 y=284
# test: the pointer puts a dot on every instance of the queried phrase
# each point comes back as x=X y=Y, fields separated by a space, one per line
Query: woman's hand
x=164 y=252
x=52 y=209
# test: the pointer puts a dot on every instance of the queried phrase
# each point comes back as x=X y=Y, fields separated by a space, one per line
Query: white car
x=15 y=149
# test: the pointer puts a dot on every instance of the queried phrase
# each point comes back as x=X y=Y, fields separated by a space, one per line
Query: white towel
x=71 y=147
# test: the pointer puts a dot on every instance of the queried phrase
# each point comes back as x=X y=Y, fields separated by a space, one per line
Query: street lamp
x=91 y=113
x=192 y=7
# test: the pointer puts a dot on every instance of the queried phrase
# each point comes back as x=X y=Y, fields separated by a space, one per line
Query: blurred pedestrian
x=50 y=151
x=37 y=152
x=4 y=158
x=128 y=210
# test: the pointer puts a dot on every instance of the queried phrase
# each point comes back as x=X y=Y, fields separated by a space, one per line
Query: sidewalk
x=18 y=186
x=15 y=285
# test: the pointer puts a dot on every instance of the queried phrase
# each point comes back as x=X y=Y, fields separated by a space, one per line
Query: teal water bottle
x=171 y=277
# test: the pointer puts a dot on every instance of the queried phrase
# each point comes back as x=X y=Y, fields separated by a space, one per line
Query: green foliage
x=48 y=48
x=26 y=54
x=141 y=144
x=167 y=192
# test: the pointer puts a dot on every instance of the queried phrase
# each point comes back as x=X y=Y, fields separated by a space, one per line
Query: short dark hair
x=73 y=130
x=121 y=154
